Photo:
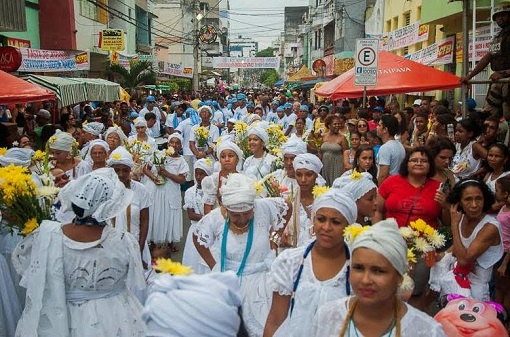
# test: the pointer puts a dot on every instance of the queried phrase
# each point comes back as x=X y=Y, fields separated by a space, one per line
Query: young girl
x=165 y=215
x=355 y=138
x=194 y=206
x=503 y=272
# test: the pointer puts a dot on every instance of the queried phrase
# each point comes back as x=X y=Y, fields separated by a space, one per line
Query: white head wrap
x=228 y=145
x=308 y=161
x=94 y=128
x=17 y=156
x=253 y=119
x=100 y=193
x=120 y=156
x=336 y=199
x=259 y=131
x=294 y=145
x=385 y=238
x=206 y=107
x=140 y=121
x=178 y=136
x=96 y=142
x=118 y=131
x=204 y=164
x=63 y=141
x=238 y=193
x=356 y=187
x=194 y=305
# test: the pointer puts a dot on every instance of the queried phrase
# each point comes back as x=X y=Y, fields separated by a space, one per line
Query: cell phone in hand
x=445 y=186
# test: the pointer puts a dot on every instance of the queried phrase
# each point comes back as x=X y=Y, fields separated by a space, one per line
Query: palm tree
x=139 y=73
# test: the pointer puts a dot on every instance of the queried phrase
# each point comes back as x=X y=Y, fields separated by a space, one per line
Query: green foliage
x=269 y=77
x=177 y=84
x=140 y=73
x=268 y=52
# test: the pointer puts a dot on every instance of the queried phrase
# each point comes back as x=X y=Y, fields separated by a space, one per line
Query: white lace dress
x=79 y=288
x=10 y=309
x=310 y=294
x=193 y=199
x=165 y=214
x=269 y=215
x=258 y=168
x=330 y=318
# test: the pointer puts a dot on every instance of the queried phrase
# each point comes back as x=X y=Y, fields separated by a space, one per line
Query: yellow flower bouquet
x=241 y=137
x=168 y=266
x=201 y=137
x=22 y=203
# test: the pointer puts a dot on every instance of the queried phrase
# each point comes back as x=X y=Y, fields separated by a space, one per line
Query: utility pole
x=196 y=46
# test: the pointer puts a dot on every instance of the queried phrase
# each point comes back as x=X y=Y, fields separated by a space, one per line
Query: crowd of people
x=267 y=242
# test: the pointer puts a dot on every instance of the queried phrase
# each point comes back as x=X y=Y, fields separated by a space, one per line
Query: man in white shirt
x=392 y=152
x=241 y=112
x=160 y=116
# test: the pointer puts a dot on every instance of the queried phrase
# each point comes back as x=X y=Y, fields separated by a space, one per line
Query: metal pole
x=195 y=48
x=465 y=55
x=365 y=97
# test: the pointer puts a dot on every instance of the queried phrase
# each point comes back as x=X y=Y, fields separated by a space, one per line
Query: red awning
x=15 y=90
x=397 y=75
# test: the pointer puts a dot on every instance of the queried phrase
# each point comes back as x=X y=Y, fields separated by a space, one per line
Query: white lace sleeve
x=276 y=209
x=284 y=271
x=209 y=228
x=22 y=253
x=189 y=198
x=210 y=188
x=135 y=278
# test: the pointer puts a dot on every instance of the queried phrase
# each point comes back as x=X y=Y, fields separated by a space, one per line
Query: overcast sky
x=261 y=20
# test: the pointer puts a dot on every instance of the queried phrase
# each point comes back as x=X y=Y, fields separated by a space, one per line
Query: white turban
x=120 y=156
x=238 y=193
x=100 y=193
x=17 y=156
x=118 y=131
x=178 y=136
x=194 y=305
x=62 y=141
x=385 y=238
x=140 y=121
x=252 y=119
x=204 y=164
x=336 y=199
x=308 y=161
x=205 y=107
x=94 y=128
x=357 y=187
x=259 y=131
x=228 y=145
x=96 y=142
x=294 y=145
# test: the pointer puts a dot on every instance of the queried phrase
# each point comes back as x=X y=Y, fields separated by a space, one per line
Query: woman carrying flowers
x=204 y=135
x=63 y=148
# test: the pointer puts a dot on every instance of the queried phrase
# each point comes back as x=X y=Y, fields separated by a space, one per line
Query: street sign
x=366 y=59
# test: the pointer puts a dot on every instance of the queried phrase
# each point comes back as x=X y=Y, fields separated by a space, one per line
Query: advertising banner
x=111 y=39
x=405 y=36
x=175 y=69
x=438 y=53
x=40 y=60
x=246 y=62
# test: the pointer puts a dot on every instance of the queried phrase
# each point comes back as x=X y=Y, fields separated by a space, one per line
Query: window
x=96 y=12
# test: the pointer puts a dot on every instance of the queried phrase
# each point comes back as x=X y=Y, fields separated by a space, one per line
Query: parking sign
x=366 y=59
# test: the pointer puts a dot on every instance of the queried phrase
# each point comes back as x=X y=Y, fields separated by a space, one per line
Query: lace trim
x=282 y=209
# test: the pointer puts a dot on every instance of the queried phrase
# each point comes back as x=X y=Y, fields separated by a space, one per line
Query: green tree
x=179 y=83
x=139 y=73
x=268 y=52
x=269 y=77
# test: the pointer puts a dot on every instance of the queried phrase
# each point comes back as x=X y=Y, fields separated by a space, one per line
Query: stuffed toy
x=464 y=317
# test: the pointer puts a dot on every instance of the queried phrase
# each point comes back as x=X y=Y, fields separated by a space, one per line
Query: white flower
x=47 y=191
x=407 y=232
x=422 y=245
x=437 y=240
x=407 y=283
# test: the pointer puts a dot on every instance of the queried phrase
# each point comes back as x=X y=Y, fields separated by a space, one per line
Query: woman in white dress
x=258 y=165
x=377 y=266
x=194 y=206
x=236 y=237
x=165 y=214
x=230 y=156
x=307 y=168
x=98 y=153
x=306 y=277
x=115 y=137
x=135 y=218
x=62 y=145
x=79 y=276
x=141 y=133
x=10 y=309
x=363 y=191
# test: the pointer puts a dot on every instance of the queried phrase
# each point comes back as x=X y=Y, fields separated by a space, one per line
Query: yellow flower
x=170 y=267
x=84 y=122
x=356 y=175
x=352 y=231
x=418 y=225
x=3 y=151
x=259 y=188
x=240 y=127
x=52 y=139
x=30 y=226
x=411 y=257
x=146 y=146
x=319 y=190
x=170 y=151
x=208 y=161
x=117 y=156
x=39 y=155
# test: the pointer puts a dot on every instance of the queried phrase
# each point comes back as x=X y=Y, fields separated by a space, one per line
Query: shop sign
x=10 y=59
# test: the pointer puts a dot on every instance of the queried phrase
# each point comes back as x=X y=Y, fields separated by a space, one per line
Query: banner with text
x=440 y=52
x=246 y=62
x=175 y=69
x=483 y=38
x=41 y=61
x=405 y=36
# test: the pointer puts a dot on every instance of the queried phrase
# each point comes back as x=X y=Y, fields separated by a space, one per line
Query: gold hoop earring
x=311 y=230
